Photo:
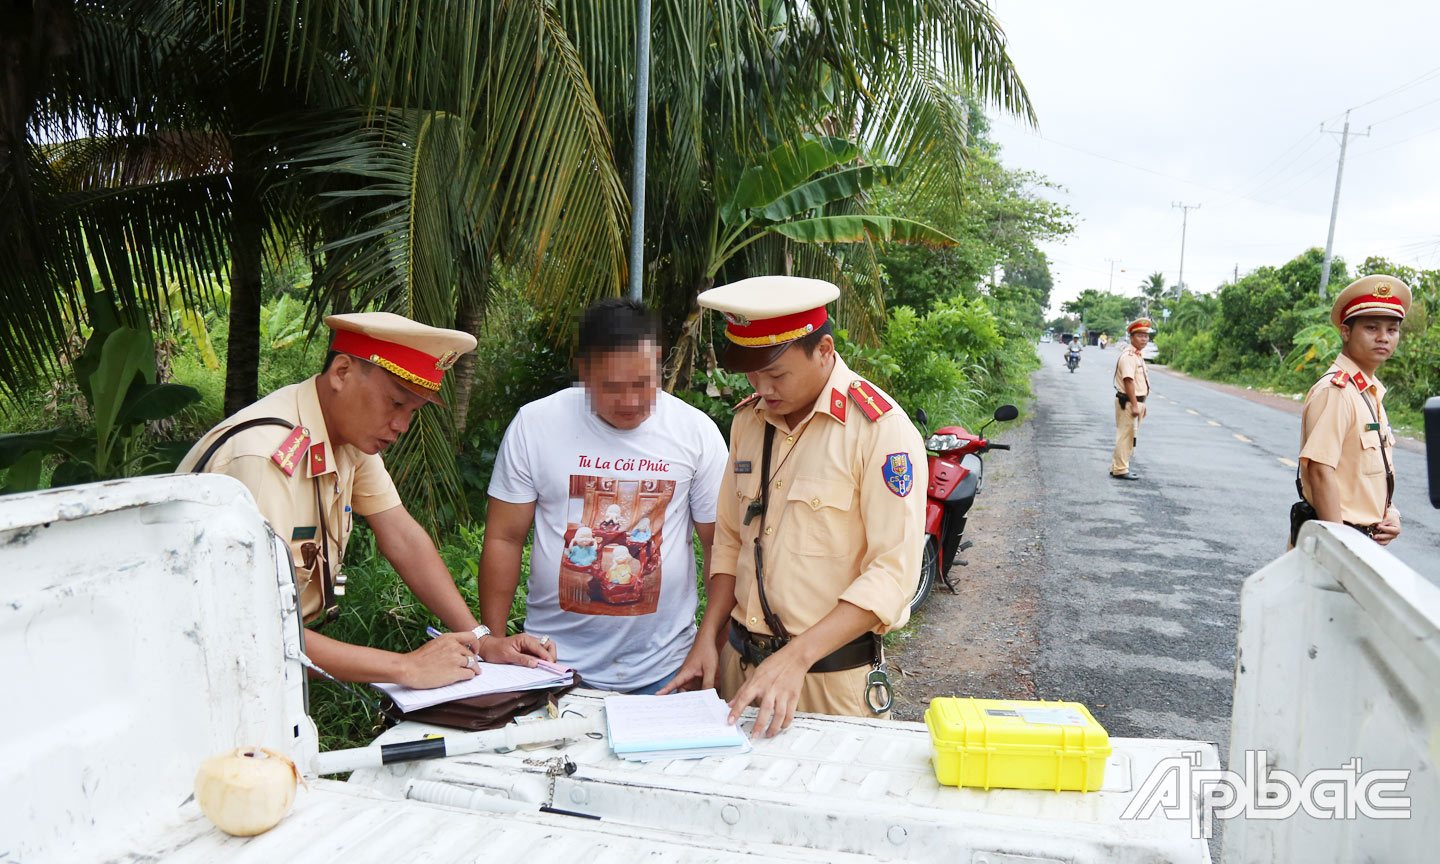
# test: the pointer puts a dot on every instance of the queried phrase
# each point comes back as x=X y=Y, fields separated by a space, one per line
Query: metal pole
x=1184 y=225
x=1112 y=274
x=642 y=131
x=1335 y=204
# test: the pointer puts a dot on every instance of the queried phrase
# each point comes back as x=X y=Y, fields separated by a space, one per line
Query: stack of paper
x=493 y=678
x=678 y=726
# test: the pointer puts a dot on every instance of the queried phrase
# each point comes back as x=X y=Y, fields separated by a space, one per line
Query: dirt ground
x=981 y=642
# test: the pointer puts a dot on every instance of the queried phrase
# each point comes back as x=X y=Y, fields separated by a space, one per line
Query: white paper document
x=493 y=678
x=678 y=726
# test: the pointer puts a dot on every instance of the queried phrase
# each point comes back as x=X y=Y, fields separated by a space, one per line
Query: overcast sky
x=1145 y=103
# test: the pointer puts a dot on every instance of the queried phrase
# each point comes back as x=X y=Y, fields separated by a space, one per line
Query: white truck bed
x=340 y=822
x=831 y=784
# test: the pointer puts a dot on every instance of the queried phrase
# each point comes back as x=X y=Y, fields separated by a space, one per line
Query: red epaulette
x=292 y=450
x=746 y=401
x=872 y=403
x=1340 y=378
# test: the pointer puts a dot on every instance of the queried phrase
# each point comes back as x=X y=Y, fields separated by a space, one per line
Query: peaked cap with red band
x=417 y=354
x=1372 y=295
x=765 y=314
x=1141 y=324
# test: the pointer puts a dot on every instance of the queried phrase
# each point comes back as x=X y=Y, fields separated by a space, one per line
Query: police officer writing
x=310 y=455
x=1345 y=438
x=1132 y=385
x=819 y=530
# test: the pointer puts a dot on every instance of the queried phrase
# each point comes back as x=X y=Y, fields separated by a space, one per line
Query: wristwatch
x=481 y=632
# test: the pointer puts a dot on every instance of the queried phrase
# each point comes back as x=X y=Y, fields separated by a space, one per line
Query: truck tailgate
x=836 y=784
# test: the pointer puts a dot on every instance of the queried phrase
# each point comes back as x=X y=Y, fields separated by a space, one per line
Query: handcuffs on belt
x=879 y=680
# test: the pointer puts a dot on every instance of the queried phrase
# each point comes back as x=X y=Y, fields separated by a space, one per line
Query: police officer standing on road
x=1132 y=385
x=820 y=525
x=1345 y=439
x=310 y=455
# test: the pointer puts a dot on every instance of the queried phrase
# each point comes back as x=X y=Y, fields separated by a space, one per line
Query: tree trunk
x=678 y=369
x=469 y=318
x=242 y=357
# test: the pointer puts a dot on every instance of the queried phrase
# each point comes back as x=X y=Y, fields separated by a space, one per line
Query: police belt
x=753 y=648
x=1125 y=400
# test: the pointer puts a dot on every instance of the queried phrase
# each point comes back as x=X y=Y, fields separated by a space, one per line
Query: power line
x=1408 y=111
x=1325 y=157
x=1397 y=143
x=1419 y=79
x=1135 y=167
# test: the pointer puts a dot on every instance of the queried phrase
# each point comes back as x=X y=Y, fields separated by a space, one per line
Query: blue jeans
x=650 y=689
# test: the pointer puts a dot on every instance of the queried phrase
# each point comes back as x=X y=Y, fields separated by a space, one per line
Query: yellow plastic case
x=1008 y=744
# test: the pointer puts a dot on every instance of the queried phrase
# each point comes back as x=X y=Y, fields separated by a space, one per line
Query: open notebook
x=677 y=726
x=493 y=678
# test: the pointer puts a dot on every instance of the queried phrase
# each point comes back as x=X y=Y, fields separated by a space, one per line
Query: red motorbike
x=957 y=473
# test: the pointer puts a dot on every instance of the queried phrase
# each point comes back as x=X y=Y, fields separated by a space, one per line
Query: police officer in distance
x=310 y=455
x=1345 y=473
x=820 y=525
x=1132 y=385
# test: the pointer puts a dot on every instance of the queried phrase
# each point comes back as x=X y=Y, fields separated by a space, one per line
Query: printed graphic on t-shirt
x=611 y=561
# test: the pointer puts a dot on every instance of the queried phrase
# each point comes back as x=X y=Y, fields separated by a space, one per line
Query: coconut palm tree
x=734 y=83
x=167 y=140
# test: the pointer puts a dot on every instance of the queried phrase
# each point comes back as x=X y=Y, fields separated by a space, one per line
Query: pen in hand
x=436 y=634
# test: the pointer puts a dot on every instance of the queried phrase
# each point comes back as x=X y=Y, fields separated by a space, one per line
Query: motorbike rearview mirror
x=1006 y=412
x=920 y=416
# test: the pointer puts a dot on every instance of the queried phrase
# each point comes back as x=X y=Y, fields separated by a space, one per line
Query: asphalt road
x=1138 y=595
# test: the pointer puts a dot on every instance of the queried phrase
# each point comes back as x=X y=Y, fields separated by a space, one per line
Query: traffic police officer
x=820 y=525
x=1346 y=473
x=1132 y=385
x=310 y=455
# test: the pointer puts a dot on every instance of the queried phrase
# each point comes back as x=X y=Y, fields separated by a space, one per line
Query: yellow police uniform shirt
x=1338 y=430
x=1131 y=365
x=836 y=528
x=352 y=483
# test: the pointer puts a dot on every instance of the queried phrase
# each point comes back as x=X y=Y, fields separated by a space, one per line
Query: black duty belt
x=753 y=648
x=1125 y=400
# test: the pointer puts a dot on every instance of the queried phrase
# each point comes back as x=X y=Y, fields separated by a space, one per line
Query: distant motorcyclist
x=1072 y=352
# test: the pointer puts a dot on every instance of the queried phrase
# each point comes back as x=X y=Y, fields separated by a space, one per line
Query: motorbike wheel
x=929 y=572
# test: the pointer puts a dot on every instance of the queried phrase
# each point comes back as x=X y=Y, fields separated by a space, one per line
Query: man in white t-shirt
x=616 y=476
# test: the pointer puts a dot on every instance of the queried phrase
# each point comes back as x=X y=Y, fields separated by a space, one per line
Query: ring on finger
x=544 y=640
x=469 y=661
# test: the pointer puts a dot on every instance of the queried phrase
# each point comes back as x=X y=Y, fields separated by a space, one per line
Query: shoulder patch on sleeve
x=746 y=401
x=1340 y=379
x=870 y=401
x=899 y=473
x=291 y=451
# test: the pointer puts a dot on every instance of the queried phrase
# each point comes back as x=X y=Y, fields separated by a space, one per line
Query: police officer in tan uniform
x=1132 y=385
x=820 y=525
x=1346 y=471
x=310 y=455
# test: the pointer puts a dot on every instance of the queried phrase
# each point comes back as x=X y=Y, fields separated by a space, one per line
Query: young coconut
x=246 y=791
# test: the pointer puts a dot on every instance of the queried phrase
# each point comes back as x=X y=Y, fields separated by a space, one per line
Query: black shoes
x=1128 y=475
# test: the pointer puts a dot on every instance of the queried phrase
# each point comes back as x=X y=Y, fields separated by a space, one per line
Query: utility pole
x=1335 y=204
x=1184 y=224
x=1113 y=262
x=641 y=134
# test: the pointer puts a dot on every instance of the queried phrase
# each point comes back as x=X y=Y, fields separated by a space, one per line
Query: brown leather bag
x=490 y=711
